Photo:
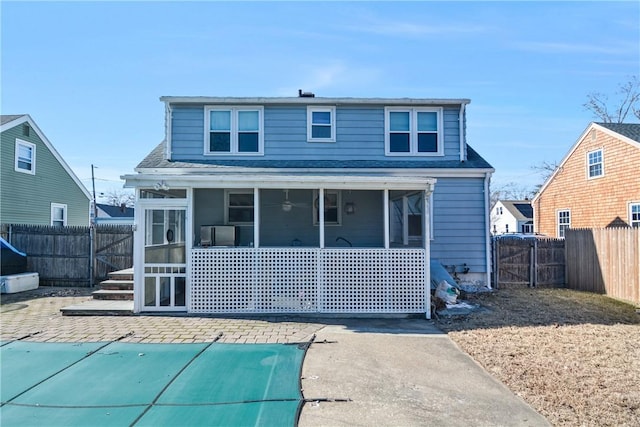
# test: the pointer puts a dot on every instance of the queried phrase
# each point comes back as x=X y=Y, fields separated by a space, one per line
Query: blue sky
x=91 y=73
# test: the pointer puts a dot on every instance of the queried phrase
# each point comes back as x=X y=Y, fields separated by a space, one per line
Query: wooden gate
x=531 y=262
x=113 y=249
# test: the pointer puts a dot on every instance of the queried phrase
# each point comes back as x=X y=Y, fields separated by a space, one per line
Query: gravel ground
x=573 y=356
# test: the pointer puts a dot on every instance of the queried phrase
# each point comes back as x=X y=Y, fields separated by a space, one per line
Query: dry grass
x=573 y=356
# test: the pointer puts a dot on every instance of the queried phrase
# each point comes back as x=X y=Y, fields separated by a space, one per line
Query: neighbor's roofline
x=310 y=100
x=576 y=144
x=26 y=118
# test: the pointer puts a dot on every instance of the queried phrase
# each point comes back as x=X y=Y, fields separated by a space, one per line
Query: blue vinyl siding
x=459 y=230
x=359 y=135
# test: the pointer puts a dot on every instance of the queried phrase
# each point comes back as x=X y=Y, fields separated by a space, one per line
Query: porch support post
x=256 y=217
x=426 y=238
x=321 y=216
x=405 y=220
x=385 y=203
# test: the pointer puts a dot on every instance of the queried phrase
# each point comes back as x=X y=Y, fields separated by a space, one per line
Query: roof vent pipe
x=302 y=94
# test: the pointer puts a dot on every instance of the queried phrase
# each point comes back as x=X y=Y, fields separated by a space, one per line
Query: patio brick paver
x=37 y=313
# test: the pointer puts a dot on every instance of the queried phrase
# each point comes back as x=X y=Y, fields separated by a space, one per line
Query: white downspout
x=426 y=237
x=462 y=135
x=487 y=225
x=168 y=126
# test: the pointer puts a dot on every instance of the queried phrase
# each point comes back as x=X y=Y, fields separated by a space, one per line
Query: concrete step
x=117 y=285
x=99 y=308
x=126 y=274
x=113 y=295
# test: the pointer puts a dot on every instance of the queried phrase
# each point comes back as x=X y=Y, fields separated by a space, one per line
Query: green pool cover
x=119 y=384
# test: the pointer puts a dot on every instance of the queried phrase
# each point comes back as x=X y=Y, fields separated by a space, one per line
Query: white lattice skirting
x=299 y=280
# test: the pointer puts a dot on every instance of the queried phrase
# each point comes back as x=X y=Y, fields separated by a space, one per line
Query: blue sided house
x=308 y=205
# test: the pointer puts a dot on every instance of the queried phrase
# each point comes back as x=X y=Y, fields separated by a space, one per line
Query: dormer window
x=321 y=125
x=413 y=132
x=235 y=130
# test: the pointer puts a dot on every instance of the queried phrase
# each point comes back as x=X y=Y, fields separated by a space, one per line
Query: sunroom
x=282 y=243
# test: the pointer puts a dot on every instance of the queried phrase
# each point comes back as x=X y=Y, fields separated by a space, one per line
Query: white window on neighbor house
x=527 y=228
x=235 y=130
x=634 y=214
x=595 y=164
x=413 y=132
x=25 y=157
x=58 y=214
x=321 y=124
x=332 y=211
x=239 y=206
x=564 y=222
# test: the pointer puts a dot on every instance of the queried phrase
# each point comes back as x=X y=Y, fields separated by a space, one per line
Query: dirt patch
x=573 y=356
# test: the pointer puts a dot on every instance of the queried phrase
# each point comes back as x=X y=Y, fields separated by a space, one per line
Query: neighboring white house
x=512 y=216
x=114 y=215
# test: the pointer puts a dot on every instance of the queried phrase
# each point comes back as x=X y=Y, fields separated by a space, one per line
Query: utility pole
x=92 y=234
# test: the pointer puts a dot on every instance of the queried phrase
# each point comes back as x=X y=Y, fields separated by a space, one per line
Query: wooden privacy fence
x=72 y=256
x=534 y=262
x=605 y=261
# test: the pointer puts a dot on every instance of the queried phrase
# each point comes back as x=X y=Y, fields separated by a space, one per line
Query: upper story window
x=58 y=214
x=413 y=132
x=594 y=161
x=234 y=130
x=564 y=222
x=25 y=157
x=321 y=124
x=634 y=214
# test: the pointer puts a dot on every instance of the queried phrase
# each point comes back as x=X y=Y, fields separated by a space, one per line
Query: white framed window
x=413 y=131
x=25 y=157
x=595 y=164
x=234 y=130
x=332 y=211
x=321 y=124
x=527 y=228
x=634 y=214
x=239 y=206
x=164 y=226
x=58 y=214
x=563 y=222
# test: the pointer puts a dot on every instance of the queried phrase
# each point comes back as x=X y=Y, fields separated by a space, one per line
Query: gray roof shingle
x=156 y=160
x=6 y=118
x=630 y=130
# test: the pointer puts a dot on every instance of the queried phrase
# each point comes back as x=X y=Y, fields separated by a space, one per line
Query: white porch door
x=165 y=262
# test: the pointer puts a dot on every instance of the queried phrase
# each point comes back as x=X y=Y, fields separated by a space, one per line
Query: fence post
x=496 y=262
x=92 y=254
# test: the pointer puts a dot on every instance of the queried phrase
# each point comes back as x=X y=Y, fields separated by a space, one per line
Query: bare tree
x=511 y=191
x=545 y=169
x=628 y=102
x=119 y=197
